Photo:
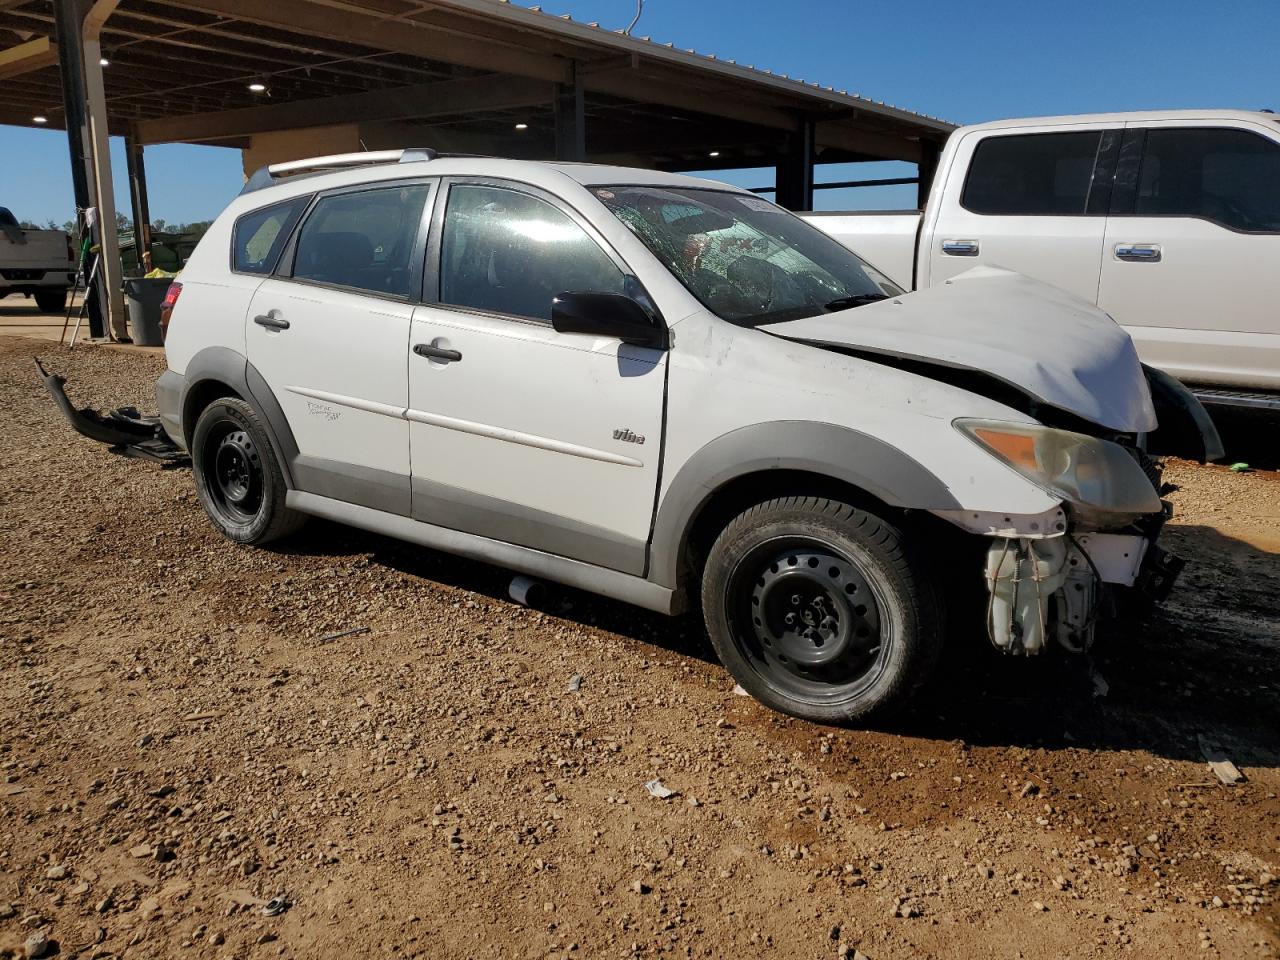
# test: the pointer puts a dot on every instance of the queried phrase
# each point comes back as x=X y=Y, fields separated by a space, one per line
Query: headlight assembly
x=1097 y=477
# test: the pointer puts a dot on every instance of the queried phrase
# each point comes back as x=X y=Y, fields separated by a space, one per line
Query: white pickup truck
x=1169 y=221
x=37 y=263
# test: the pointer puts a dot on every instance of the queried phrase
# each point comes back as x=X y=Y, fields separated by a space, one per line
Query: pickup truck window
x=503 y=251
x=745 y=259
x=1036 y=174
x=1231 y=177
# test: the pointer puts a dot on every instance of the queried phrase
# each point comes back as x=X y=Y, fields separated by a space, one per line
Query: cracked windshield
x=748 y=261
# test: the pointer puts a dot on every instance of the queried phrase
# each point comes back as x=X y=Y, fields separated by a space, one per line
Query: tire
x=52 y=301
x=819 y=611
x=238 y=479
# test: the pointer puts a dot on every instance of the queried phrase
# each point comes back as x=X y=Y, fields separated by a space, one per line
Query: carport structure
x=282 y=79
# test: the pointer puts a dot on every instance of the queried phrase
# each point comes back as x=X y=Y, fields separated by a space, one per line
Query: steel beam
x=27 y=57
x=438 y=99
x=338 y=21
x=138 y=198
x=69 y=16
x=571 y=120
x=794 y=180
x=99 y=137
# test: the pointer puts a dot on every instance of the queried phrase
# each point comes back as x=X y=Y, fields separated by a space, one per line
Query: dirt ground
x=179 y=743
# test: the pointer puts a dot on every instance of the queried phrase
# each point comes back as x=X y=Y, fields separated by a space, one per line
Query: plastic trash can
x=144 y=298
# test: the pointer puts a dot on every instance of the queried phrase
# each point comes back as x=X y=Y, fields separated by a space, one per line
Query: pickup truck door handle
x=960 y=248
x=1138 y=252
x=433 y=352
x=271 y=321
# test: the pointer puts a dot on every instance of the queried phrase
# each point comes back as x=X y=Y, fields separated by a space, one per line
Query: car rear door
x=1191 y=247
x=328 y=332
x=519 y=433
x=1034 y=201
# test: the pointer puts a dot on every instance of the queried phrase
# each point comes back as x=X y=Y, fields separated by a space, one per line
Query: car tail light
x=166 y=307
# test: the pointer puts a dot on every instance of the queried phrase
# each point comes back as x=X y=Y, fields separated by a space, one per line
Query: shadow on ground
x=1204 y=665
x=1249 y=436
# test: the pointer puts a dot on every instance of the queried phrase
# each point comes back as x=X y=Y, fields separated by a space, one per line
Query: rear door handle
x=271 y=321
x=960 y=248
x=437 y=353
x=1138 y=252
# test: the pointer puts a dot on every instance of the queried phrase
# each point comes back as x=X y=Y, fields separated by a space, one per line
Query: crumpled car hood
x=1041 y=340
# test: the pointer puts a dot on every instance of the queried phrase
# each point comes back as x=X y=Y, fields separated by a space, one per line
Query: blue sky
x=962 y=62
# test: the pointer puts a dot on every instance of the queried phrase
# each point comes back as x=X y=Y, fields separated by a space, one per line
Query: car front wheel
x=817 y=610
x=238 y=479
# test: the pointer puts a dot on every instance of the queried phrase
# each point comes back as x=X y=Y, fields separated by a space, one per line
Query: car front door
x=1031 y=202
x=1191 y=247
x=519 y=433
x=329 y=331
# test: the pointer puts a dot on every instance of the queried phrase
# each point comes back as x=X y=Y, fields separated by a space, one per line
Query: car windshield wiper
x=857 y=300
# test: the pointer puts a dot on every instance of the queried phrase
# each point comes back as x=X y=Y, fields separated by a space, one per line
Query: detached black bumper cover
x=125 y=430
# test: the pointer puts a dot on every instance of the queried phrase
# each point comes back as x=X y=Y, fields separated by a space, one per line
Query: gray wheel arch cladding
x=840 y=453
x=223 y=365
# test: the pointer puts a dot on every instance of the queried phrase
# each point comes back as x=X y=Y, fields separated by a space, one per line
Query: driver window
x=503 y=251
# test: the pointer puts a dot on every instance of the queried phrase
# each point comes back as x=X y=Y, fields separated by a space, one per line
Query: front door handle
x=1138 y=252
x=433 y=352
x=960 y=248
x=271 y=321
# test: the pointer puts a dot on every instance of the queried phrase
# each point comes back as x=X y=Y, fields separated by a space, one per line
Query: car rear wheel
x=238 y=479
x=818 y=611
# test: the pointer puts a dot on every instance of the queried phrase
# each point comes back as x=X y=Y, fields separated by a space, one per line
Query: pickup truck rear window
x=1037 y=174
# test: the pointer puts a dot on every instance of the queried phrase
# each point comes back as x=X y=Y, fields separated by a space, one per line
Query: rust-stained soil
x=178 y=744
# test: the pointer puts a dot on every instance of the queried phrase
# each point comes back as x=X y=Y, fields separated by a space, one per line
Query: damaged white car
x=676 y=394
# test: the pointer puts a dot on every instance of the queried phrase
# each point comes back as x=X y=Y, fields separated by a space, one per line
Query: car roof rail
x=273 y=173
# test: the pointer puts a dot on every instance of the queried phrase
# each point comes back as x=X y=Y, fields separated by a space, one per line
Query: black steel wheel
x=238 y=479
x=808 y=616
x=817 y=610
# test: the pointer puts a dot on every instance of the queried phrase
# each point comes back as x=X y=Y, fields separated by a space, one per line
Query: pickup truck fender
x=824 y=449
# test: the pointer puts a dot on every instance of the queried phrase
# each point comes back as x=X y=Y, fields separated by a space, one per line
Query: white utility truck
x=37 y=263
x=1169 y=221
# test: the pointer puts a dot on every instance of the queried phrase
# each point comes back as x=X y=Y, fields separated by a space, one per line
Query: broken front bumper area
x=124 y=430
x=1059 y=588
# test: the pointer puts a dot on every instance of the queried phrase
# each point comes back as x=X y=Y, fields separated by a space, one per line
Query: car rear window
x=260 y=236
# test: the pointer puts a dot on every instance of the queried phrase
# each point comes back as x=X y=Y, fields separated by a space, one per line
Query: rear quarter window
x=260 y=236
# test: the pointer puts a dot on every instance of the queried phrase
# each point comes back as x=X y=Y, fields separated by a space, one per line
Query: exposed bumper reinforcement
x=124 y=430
x=1158 y=574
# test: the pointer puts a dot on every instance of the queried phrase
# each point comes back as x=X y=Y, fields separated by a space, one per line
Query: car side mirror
x=606 y=315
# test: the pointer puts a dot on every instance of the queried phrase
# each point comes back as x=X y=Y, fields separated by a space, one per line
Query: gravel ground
x=179 y=743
